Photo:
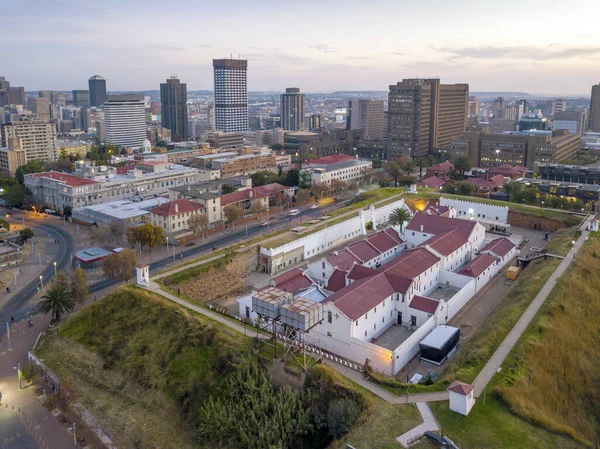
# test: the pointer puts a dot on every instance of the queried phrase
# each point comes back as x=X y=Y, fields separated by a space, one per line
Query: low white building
x=461 y=397
x=349 y=171
x=477 y=211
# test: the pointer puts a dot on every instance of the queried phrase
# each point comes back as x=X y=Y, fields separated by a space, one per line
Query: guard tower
x=143 y=275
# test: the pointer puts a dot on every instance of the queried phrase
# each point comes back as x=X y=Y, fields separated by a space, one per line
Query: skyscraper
x=412 y=102
x=231 y=95
x=17 y=95
x=560 y=105
x=45 y=94
x=125 y=120
x=173 y=108
x=4 y=91
x=38 y=138
x=40 y=106
x=97 y=86
x=367 y=117
x=81 y=98
x=595 y=109
x=292 y=110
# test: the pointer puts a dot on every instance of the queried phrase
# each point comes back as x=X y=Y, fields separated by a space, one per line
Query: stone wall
x=539 y=223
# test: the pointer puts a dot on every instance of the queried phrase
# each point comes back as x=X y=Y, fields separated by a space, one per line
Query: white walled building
x=125 y=120
x=38 y=138
x=173 y=216
x=349 y=171
x=477 y=211
x=461 y=397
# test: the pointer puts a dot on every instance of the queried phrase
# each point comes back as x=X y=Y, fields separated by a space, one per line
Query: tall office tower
x=39 y=106
x=81 y=98
x=210 y=113
x=314 y=122
x=4 y=91
x=594 y=123
x=125 y=120
x=572 y=121
x=173 y=108
x=85 y=118
x=525 y=104
x=366 y=116
x=497 y=107
x=97 y=86
x=100 y=130
x=449 y=110
x=560 y=105
x=231 y=95
x=45 y=94
x=17 y=95
x=38 y=138
x=409 y=115
x=291 y=110
x=4 y=85
x=473 y=106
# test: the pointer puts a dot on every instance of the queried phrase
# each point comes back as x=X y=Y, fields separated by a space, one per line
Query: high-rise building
x=97 y=86
x=4 y=84
x=38 y=138
x=291 y=110
x=125 y=120
x=594 y=123
x=17 y=95
x=473 y=106
x=231 y=95
x=45 y=94
x=85 y=118
x=173 y=108
x=560 y=105
x=367 y=117
x=409 y=115
x=497 y=107
x=572 y=121
x=40 y=106
x=415 y=101
x=12 y=156
x=314 y=122
x=81 y=98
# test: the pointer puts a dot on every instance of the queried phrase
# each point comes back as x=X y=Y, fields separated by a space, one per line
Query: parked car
x=266 y=223
x=293 y=212
x=314 y=206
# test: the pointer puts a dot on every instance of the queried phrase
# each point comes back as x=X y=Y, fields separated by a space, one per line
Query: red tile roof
x=124 y=170
x=241 y=195
x=433 y=224
x=364 y=251
x=432 y=182
x=356 y=299
x=68 y=180
x=410 y=264
x=336 y=281
x=383 y=241
x=393 y=234
x=482 y=183
x=436 y=209
x=270 y=189
x=399 y=283
x=446 y=166
x=446 y=243
x=329 y=159
x=359 y=272
x=500 y=247
x=176 y=207
x=498 y=180
x=423 y=304
x=460 y=388
x=292 y=281
x=342 y=259
x=478 y=265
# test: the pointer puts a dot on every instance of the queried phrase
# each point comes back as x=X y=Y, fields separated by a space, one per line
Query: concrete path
x=429 y=424
x=495 y=362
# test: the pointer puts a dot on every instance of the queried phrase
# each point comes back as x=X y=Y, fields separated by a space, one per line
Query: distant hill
x=500 y=94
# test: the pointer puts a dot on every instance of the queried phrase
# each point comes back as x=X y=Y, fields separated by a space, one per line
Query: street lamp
x=42 y=281
x=54 y=268
x=497 y=161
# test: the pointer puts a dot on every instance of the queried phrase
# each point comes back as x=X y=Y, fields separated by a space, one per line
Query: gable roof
x=336 y=281
x=359 y=272
x=410 y=264
x=432 y=181
x=424 y=304
x=292 y=281
x=434 y=209
x=500 y=247
x=383 y=241
x=393 y=234
x=241 y=195
x=446 y=243
x=478 y=265
x=447 y=166
x=343 y=259
x=66 y=179
x=176 y=207
x=460 y=388
x=435 y=224
x=363 y=250
x=270 y=189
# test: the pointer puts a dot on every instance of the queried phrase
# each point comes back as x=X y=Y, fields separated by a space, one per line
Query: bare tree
x=120 y=266
x=79 y=286
x=233 y=213
x=117 y=229
x=198 y=222
x=302 y=196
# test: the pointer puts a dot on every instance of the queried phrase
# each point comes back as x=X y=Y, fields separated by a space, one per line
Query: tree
x=319 y=190
x=25 y=234
x=56 y=301
x=408 y=167
x=118 y=228
x=421 y=162
x=341 y=414
x=79 y=286
x=198 y=222
x=382 y=178
x=462 y=164
x=302 y=196
x=61 y=278
x=151 y=235
x=16 y=195
x=399 y=217
x=377 y=163
x=465 y=188
x=67 y=211
x=291 y=178
x=392 y=169
x=62 y=164
x=101 y=235
x=134 y=236
x=120 y=266
x=338 y=186
x=233 y=213
x=262 y=178
x=257 y=208
x=30 y=167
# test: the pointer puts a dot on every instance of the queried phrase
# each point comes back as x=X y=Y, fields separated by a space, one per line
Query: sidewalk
x=45 y=430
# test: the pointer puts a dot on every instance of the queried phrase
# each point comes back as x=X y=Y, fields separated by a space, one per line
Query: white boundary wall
x=323 y=240
x=471 y=209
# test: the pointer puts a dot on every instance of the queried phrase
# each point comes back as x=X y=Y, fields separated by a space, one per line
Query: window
x=413 y=320
x=329 y=317
x=247 y=312
x=356 y=323
x=365 y=333
x=374 y=326
x=383 y=320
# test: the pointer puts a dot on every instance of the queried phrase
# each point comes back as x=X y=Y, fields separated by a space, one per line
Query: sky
x=551 y=47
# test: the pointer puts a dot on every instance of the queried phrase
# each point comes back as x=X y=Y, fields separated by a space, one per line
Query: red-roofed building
x=502 y=248
x=433 y=182
x=423 y=304
x=487 y=185
x=441 y=171
x=59 y=190
x=264 y=194
x=292 y=281
x=452 y=247
x=478 y=266
x=461 y=397
x=326 y=160
x=173 y=216
x=509 y=171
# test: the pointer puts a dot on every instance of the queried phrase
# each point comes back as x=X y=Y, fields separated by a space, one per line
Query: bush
x=341 y=415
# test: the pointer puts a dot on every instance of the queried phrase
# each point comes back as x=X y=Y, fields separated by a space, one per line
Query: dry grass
x=553 y=378
x=132 y=415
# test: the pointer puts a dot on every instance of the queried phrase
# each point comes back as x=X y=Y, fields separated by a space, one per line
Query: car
x=293 y=212
x=314 y=206
x=266 y=223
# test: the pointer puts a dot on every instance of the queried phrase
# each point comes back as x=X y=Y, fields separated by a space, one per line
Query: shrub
x=342 y=413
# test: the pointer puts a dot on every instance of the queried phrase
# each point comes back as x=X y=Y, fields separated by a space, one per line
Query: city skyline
x=369 y=47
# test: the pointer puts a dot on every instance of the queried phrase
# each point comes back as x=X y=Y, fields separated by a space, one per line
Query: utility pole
x=74 y=435
x=8 y=333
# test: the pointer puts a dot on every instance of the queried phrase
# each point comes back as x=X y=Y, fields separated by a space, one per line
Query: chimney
x=421 y=228
x=176 y=208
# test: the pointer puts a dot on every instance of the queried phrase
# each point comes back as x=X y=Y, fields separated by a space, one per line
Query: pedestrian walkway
x=429 y=425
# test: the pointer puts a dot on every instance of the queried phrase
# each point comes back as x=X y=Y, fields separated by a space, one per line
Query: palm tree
x=421 y=163
x=57 y=300
x=398 y=217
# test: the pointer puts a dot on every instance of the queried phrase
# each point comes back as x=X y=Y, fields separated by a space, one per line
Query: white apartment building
x=57 y=190
x=38 y=138
x=348 y=171
x=173 y=216
x=125 y=120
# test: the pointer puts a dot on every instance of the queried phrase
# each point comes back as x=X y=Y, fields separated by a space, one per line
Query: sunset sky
x=548 y=47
